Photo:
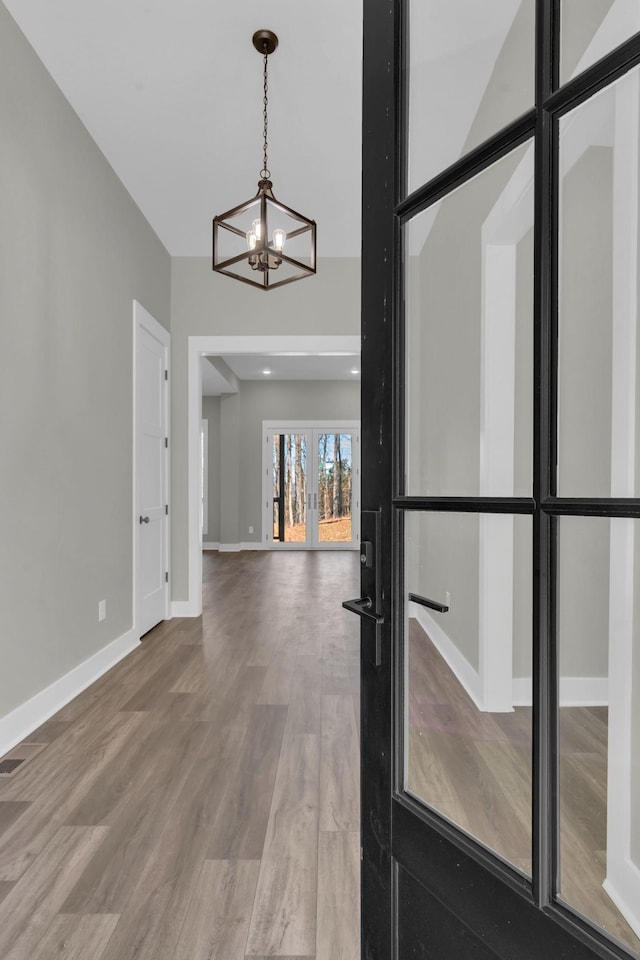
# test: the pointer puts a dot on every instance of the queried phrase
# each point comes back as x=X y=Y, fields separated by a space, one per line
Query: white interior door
x=151 y=471
x=311 y=485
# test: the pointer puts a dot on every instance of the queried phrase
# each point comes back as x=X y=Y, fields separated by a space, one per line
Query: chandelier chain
x=264 y=173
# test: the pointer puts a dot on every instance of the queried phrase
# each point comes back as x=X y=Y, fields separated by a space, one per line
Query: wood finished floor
x=475 y=769
x=201 y=800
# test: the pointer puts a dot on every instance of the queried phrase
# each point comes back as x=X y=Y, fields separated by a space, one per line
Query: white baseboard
x=522 y=692
x=261 y=545
x=237 y=547
x=574 y=692
x=21 y=722
x=468 y=677
x=623 y=887
x=184 y=608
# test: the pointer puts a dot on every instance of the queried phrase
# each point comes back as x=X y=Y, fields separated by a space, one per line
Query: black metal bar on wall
x=520 y=505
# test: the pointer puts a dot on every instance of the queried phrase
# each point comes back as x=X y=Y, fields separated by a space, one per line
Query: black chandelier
x=262 y=235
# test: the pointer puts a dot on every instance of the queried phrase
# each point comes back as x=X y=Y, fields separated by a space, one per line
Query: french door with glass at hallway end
x=500 y=593
x=311 y=485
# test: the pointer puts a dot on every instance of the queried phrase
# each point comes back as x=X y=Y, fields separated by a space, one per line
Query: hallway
x=201 y=800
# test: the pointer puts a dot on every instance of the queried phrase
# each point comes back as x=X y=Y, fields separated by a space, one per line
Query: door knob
x=144 y=519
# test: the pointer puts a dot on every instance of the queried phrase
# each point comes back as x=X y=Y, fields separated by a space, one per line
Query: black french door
x=500 y=595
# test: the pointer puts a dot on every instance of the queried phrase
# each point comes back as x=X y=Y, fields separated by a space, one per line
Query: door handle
x=425 y=602
x=362 y=607
x=144 y=519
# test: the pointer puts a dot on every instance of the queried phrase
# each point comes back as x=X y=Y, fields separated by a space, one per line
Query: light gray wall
x=635 y=710
x=585 y=327
x=579 y=23
x=444 y=349
x=583 y=605
x=444 y=341
x=523 y=459
x=635 y=722
x=229 y=453
x=205 y=303
x=211 y=413
x=584 y=442
x=511 y=87
x=448 y=557
x=281 y=400
x=74 y=253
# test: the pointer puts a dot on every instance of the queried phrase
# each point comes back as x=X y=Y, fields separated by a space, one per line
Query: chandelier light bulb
x=251 y=240
x=256 y=227
x=279 y=237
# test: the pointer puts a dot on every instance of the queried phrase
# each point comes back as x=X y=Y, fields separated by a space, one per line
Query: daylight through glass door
x=311 y=477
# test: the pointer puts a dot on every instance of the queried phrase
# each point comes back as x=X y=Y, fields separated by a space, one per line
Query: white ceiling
x=289 y=367
x=282 y=367
x=172 y=94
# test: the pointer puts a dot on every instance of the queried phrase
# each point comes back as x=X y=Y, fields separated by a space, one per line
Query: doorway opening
x=225 y=346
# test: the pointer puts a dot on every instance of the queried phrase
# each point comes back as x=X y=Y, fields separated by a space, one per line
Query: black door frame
x=397 y=832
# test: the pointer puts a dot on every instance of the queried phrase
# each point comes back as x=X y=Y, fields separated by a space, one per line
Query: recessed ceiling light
x=266 y=372
x=355 y=371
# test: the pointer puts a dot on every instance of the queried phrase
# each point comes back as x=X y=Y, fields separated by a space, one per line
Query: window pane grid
x=548 y=509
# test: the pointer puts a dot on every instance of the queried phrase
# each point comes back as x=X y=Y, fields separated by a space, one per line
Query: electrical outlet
x=448 y=599
x=102 y=610
x=250 y=529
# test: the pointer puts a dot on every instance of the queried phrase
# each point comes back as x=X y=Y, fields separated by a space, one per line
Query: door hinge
x=166 y=577
x=166 y=374
x=166 y=441
x=166 y=509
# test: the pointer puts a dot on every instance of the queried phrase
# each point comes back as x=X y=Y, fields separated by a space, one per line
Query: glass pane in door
x=599 y=721
x=469 y=336
x=589 y=29
x=471 y=72
x=335 y=491
x=290 y=495
x=468 y=688
x=598 y=362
